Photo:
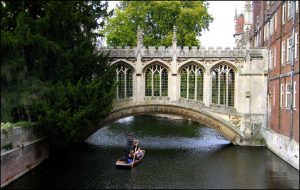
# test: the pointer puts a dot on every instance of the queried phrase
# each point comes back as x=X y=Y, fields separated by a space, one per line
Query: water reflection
x=159 y=133
x=179 y=155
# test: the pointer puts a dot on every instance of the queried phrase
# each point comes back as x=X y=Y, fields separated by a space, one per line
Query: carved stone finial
x=174 y=39
x=235 y=16
x=248 y=6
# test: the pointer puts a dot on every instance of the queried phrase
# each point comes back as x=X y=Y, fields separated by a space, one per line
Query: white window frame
x=274 y=96
x=296 y=46
x=294 y=98
x=297 y=6
x=288 y=95
x=289 y=10
x=275 y=21
x=283 y=13
x=259 y=37
x=271 y=59
x=271 y=25
x=281 y=95
x=274 y=55
x=283 y=55
x=289 y=50
x=268 y=5
x=265 y=32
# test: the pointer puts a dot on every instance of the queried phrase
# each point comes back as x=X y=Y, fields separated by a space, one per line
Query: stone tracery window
x=191 y=82
x=223 y=79
x=156 y=81
x=125 y=81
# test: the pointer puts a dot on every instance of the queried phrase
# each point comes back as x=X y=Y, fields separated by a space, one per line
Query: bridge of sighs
x=224 y=88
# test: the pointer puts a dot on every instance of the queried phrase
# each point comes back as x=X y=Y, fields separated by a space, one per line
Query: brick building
x=239 y=29
x=275 y=25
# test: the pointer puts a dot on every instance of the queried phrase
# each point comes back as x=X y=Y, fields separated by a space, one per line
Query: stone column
x=173 y=84
x=207 y=89
x=140 y=89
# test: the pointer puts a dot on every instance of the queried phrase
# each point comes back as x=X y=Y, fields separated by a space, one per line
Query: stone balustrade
x=185 y=51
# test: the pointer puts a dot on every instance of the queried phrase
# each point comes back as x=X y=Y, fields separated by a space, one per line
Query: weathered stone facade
x=29 y=147
x=247 y=116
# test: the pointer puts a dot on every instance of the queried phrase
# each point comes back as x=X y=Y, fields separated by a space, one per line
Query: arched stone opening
x=223 y=77
x=192 y=81
x=124 y=78
x=156 y=80
x=229 y=132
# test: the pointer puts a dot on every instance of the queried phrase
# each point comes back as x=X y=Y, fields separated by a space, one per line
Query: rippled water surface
x=179 y=154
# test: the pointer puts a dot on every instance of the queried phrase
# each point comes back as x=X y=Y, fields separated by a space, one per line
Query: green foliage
x=157 y=19
x=6 y=127
x=23 y=124
x=50 y=71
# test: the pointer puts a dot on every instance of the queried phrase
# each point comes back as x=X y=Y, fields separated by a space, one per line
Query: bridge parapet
x=186 y=51
x=228 y=122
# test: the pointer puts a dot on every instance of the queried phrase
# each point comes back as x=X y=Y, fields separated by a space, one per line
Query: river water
x=179 y=154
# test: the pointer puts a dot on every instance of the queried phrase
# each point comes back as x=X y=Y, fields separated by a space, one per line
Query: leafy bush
x=6 y=127
x=23 y=124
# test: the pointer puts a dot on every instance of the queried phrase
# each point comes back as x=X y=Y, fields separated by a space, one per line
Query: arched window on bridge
x=191 y=82
x=156 y=81
x=124 y=79
x=223 y=85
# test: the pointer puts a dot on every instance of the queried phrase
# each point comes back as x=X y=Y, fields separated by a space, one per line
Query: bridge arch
x=229 y=131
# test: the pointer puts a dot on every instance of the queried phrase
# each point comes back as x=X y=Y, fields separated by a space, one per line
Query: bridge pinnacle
x=174 y=39
x=139 y=36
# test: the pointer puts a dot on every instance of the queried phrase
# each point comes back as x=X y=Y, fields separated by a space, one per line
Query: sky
x=221 y=30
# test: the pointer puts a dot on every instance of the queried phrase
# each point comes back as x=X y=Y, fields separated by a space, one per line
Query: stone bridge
x=223 y=88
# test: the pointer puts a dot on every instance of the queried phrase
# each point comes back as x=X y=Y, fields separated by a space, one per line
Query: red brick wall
x=239 y=24
x=280 y=117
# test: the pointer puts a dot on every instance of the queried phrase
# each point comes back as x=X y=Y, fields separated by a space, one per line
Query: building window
x=283 y=53
x=297 y=6
x=271 y=59
x=255 y=41
x=124 y=80
x=274 y=59
x=290 y=8
x=268 y=29
x=275 y=21
x=289 y=49
x=281 y=95
x=288 y=96
x=223 y=79
x=294 y=98
x=296 y=45
x=273 y=96
x=191 y=82
x=272 y=22
x=156 y=81
x=268 y=5
x=283 y=13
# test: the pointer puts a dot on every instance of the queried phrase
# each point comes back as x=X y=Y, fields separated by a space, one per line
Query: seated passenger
x=130 y=155
x=137 y=150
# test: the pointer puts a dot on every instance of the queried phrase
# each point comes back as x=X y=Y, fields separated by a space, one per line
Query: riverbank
x=22 y=149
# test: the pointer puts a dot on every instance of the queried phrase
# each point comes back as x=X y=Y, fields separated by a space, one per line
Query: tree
x=157 y=19
x=51 y=72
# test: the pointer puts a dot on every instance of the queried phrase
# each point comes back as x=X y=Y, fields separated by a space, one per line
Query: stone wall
x=18 y=136
x=284 y=147
x=28 y=149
